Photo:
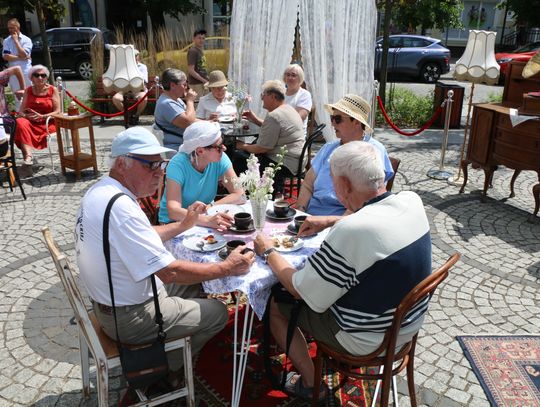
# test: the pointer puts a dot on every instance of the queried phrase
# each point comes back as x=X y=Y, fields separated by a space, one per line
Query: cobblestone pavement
x=492 y=290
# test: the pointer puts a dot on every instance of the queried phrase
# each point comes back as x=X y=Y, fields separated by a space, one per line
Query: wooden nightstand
x=76 y=160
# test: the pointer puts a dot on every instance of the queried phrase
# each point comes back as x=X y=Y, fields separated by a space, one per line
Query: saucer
x=222 y=254
x=234 y=229
x=292 y=229
x=272 y=215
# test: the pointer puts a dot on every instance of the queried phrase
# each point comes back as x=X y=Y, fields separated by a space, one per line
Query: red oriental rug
x=213 y=377
x=508 y=367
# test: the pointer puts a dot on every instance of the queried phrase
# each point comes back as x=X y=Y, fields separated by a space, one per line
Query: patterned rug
x=213 y=377
x=508 y=367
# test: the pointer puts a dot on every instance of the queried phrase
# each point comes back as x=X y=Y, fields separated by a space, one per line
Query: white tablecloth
x=257 y=283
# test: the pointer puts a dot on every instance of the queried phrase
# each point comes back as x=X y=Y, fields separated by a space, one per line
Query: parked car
x=523 y=53
x=414 y=56
x=70 y=49
x=216 y=52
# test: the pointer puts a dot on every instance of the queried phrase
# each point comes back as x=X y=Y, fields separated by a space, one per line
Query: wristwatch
x=267 y=253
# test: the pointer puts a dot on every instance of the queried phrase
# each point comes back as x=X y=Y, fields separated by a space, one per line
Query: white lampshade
x=478 y=64
x=122 y=74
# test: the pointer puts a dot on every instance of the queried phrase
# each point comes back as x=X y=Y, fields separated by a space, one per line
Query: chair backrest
x=303 y=163
x=421 y=292
x=395 y=165
x=10 y=127
x=75 y=298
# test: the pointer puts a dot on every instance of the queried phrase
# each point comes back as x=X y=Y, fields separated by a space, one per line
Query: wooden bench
x=103 y=99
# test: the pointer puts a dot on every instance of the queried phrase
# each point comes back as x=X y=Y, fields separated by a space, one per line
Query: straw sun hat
x=217 y=79
x=354 y=106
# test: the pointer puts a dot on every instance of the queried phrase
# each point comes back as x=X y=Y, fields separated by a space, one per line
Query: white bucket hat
x=200 y=134
x=354 y=106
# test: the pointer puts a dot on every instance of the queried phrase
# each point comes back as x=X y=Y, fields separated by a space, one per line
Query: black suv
x=70 y=49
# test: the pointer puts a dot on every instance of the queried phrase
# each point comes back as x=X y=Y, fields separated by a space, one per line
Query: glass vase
x=258 y=213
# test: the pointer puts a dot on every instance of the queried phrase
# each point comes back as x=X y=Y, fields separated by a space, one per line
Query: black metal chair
x=8 y=164
x=304 y=163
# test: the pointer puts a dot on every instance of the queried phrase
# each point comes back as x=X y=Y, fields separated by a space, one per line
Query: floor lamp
x=123 y=75
x=476 y=65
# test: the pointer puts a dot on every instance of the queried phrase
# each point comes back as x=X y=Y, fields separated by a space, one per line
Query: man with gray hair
x=137 y=252
x=282 y=126
x=172 y=115
x=366 y=265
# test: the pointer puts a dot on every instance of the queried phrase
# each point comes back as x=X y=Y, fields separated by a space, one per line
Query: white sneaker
x=28 y=160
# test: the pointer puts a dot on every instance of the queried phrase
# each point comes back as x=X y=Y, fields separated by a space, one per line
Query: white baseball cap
x=136 y=140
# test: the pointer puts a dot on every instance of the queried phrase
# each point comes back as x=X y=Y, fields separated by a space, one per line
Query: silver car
x=414 y=56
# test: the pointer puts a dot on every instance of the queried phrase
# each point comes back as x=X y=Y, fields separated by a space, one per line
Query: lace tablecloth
x=257 y=283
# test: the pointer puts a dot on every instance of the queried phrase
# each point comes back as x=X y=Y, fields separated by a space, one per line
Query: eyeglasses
x=219 y=147
x=291 y=74
x=39 y=75
x=337 y=118
x=151 y=165
x=263 y=95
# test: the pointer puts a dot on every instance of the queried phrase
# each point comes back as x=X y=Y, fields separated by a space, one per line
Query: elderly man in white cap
x=137 y=252
x=118 y=97
x=349 y=117
x=193 y=176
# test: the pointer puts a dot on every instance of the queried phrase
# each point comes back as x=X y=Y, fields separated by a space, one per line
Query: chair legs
x=318 y=377
x=85 y=366
x=188 y=373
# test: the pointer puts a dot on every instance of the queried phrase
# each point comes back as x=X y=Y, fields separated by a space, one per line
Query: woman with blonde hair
x=296 y=96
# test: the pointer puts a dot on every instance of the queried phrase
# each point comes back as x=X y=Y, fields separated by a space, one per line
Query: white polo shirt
x=136 y=249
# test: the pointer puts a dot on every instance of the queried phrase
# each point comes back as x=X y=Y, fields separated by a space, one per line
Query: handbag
x=147 y=364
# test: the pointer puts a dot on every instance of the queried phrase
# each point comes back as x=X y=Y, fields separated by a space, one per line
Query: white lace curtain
x=337 y=39
x=262 y=41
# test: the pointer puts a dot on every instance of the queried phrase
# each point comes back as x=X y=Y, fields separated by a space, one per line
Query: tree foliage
x=175 y=8
x=54 y=8
x=425 y=14
x=527 y=11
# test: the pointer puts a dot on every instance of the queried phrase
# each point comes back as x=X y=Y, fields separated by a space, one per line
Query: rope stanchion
x=133 y=106
x=413 y=133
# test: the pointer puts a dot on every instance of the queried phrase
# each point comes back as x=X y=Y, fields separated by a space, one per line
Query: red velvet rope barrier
x=133 y=106
x=413 y=133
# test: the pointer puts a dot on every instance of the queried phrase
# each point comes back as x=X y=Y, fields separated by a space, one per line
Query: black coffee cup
x=299 y=221
x=242 y=220
x=281 y=208
x=233 y=244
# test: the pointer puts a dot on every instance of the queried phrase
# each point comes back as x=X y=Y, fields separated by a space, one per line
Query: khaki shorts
x=322 y=326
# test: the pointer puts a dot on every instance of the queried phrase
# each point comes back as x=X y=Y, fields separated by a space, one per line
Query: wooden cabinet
x=494 y=141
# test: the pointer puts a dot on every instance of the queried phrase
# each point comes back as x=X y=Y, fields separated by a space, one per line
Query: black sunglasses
x=39 y=75
x=152 y=165
x=337 y=118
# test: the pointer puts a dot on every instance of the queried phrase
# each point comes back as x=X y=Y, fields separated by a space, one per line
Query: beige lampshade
x=478 y=64
x=122 y=74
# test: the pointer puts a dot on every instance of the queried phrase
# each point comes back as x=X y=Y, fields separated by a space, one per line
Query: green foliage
x=409 y=14
x=493 y=97
x=55 y=7
x=406 y=109
x=527 y=11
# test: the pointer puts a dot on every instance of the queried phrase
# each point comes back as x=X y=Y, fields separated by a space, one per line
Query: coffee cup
x=242 y=220
x=233 y=244
x=281 y=208
x=299 y=221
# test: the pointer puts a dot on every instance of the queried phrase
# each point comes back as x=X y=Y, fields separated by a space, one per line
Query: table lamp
x=476 y=65
x=123 y=75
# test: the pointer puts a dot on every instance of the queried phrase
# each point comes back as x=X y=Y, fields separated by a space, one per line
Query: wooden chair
x=104 y=351
x=150 y=204
x=8 y=164
x=304 y=163
x=395 y=165
x=386 y=355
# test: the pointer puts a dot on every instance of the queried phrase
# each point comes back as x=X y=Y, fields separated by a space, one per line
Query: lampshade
x=122 y=74
x=478 y=64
